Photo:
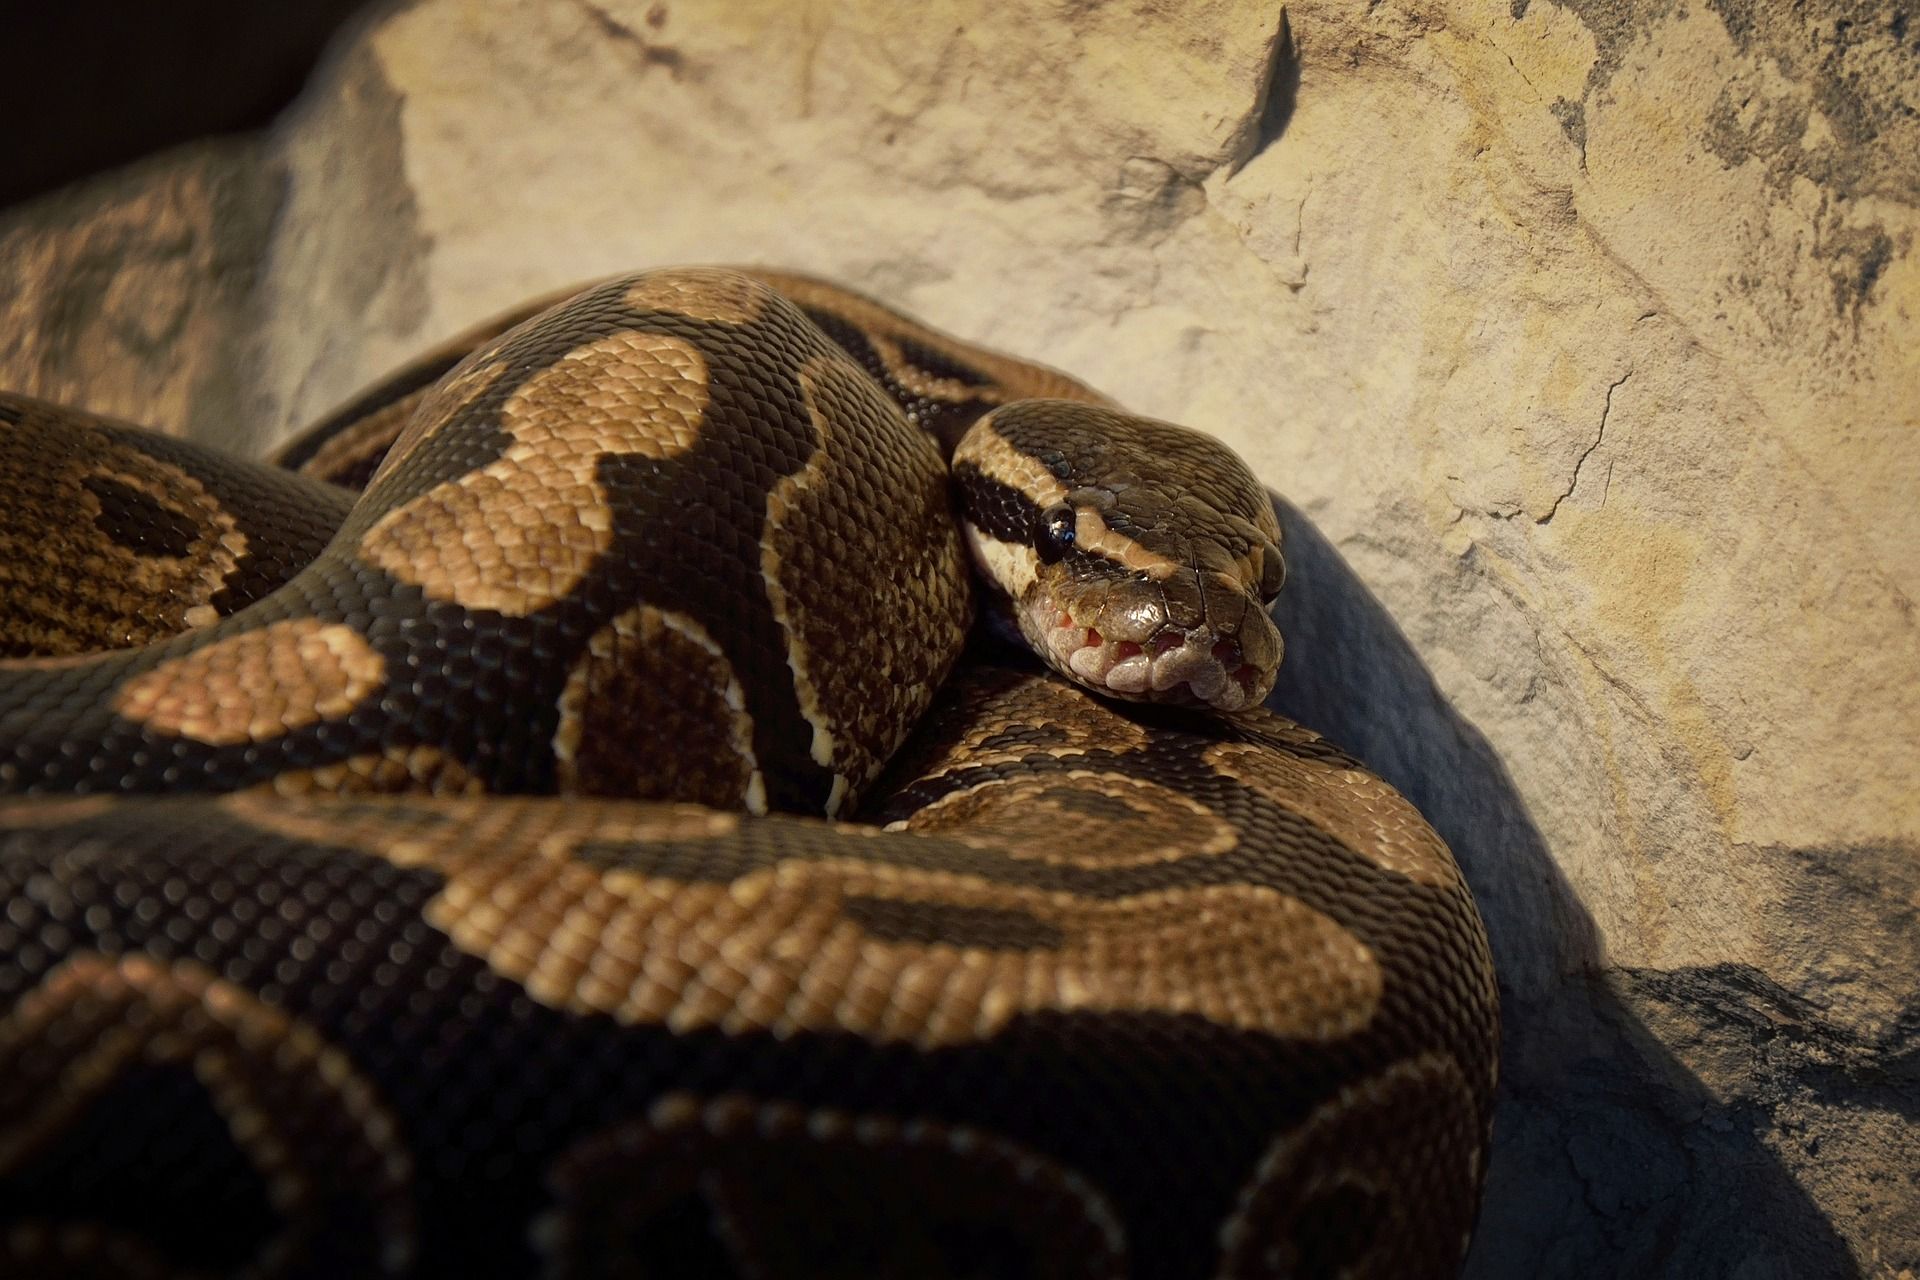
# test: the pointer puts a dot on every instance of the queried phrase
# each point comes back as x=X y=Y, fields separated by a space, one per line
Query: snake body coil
x=356 y=921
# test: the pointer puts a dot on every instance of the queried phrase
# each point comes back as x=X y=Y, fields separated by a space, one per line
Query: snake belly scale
x=408 y=885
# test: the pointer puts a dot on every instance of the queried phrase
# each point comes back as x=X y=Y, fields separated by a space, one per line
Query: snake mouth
x=1179 y=665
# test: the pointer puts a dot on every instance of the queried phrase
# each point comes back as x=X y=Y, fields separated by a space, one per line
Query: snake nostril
x=1165 y=642
x=1226 y=653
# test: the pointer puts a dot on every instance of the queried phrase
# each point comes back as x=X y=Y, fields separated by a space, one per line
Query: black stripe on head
x=1005 y=514
x=997 y=509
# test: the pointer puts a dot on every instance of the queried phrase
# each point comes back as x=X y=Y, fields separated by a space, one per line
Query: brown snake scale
x=407 y=885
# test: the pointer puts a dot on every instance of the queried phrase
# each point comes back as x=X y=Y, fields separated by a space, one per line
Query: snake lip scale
x=416 y=855
x=1211 y=669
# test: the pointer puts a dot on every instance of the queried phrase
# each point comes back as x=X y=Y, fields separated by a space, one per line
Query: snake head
x=1135 y=557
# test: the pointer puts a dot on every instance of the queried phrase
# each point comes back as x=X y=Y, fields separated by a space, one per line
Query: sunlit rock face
x=1580 y=342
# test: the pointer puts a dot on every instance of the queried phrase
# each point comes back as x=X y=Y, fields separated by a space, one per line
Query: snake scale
x=403 y=883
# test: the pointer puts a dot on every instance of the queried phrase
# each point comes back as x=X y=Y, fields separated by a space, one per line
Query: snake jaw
x=1194 y=666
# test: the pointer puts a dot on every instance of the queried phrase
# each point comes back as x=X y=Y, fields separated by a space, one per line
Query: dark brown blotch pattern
x=1071 y=875
x=115 y=537
x=324 y=1150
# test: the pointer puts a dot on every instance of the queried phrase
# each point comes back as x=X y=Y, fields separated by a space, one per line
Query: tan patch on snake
x=312 y=1127
x=653 y=710
x=1078 y=818
x=1404 y=1142
x=1352 y=805
x=718 y=297
x=521 y=532
x=865 y=663
x=256 y=685
x=1039 y=715
x=834 y=941
x=830 y=938
x=392 y=771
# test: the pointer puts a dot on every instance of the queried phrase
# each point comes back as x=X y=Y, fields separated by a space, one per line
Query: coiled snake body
x=355 y=921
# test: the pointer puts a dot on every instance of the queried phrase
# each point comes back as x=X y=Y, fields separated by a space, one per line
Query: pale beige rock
x=1584 y=341
x=131 y=294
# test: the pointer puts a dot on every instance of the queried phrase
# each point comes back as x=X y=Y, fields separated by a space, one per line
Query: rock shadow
x=1279 y=95
x=1610 y=1157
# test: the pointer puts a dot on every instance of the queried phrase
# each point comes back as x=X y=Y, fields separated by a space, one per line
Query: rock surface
x=1583 y=342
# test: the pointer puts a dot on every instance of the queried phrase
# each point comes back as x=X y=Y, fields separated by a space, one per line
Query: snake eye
x=1055 y=532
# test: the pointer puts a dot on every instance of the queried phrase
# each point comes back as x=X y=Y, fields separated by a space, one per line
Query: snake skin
x=355 y=921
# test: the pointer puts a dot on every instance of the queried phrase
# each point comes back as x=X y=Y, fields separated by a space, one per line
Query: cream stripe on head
x=1012 y=567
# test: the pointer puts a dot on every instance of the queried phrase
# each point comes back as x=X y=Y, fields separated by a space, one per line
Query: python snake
x=399 y=885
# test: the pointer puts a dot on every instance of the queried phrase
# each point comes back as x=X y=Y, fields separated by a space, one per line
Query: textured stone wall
x=1582 y=344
